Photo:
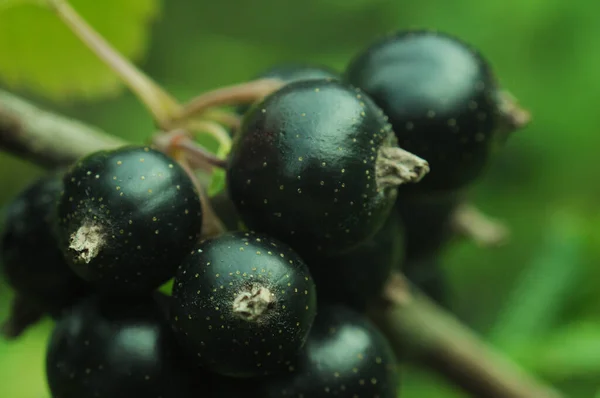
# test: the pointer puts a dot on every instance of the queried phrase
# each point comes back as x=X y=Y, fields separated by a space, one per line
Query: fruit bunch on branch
x=298 y=276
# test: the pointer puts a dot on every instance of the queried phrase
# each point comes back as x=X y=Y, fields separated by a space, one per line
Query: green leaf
x=42 y=55
x=568 y=354
x=542 y=288
x=217 y=183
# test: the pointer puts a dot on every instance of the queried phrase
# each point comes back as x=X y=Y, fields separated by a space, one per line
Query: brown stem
x=180 y=140
x=211 y=224
x=514 y=116
x=45 y=138
x=243 y=93
x=425 y=333
x=223 y=117
x=467 y=220
x=160 y=103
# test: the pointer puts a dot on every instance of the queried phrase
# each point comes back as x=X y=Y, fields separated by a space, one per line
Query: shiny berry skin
x=303 y=166
x=31 y=260
x=127 y=218
x=291 y=72
x=243 y=304
x=107 y=347
x=346 y=356
x=442 y=100
x=357 y=277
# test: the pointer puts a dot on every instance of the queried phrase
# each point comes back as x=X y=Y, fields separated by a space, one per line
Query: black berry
x=442 y=100
x=291 y=72
x=243 y=304
x=357 y=277
x=106 y=347
x=127 y=218
x=31 y=259
x=317 y=165
x=345 y=357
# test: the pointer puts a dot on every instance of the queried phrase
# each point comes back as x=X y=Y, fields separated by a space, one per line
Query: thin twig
x=423 y=332
x=45 y=138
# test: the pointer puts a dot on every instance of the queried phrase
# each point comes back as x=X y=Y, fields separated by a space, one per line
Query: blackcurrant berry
x=291 y=72
x=316 y=165
x=105 y=347
x=357 y=277
x=30 y=256
x=427 y=222
x=127 y=218
x=345 y=356
x=442 y=100
x=243 y=304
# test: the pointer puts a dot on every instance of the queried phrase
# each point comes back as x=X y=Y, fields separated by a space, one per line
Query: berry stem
x=514 y=116
x=215 y=130
x=421 y=331
x=45 y=138
x=160 y=103
x=223 y=117
x=243 y=93
x=469 y=221
x=395 y=166
x=180 y=140
x=211 y=223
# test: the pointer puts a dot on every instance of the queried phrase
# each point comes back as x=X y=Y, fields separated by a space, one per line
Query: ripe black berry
x=106 y=347
x=316 y=165
x=127 y=218
x=345 y=357
x=442 y=100
x=243 y=304
x=356 y=277
x=31 y=259
x=292 y=72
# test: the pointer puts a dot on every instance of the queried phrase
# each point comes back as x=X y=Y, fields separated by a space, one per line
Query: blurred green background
x=536 y=298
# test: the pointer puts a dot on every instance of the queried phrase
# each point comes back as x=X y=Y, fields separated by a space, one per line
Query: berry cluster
x=323 y=202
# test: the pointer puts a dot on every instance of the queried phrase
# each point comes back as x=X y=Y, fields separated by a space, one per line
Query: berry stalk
x=160 y=103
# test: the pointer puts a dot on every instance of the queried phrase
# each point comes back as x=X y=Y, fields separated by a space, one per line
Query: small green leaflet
x=217 y=182
x=41 y=55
